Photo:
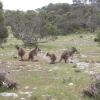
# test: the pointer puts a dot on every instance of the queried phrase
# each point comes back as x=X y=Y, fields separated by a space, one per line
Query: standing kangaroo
x=66 y=54
x=21 y=52
x=33 y=53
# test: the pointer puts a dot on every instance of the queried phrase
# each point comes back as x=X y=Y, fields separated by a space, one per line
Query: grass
x=49 y=82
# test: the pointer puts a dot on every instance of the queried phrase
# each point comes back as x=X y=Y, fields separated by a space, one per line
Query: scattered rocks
x=6 y=94
x=89 y=72
x=29 y=94
x=82 y=65
x=83 y=56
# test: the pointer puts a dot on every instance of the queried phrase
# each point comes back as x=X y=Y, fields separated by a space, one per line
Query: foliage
x=54 y=19
x=3 y=30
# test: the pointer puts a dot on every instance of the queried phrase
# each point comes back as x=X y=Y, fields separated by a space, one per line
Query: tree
x=55 y=19
x=3 y=30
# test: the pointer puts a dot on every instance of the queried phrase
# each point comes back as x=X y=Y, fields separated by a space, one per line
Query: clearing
x=43 y=81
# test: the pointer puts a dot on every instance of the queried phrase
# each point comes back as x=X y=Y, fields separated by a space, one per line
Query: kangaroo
x=21 y=52
x=66 y=54
x=52 y=57
x=33 y=53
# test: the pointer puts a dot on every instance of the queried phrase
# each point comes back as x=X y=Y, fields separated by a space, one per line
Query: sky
x=29 y=4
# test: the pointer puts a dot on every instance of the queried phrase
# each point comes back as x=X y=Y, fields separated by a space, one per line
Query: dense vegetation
x=54 y=19
x=3 y=30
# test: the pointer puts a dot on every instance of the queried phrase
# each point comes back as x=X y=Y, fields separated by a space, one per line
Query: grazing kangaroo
x=52 y=58
x=66 y=54
x=21 y=52
x=33 y=53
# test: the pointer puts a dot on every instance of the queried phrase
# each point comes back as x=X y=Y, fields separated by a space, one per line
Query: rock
x=22 y=99
x=10 y=84
x=6 y=94
x=26 y=87
x=70 y=84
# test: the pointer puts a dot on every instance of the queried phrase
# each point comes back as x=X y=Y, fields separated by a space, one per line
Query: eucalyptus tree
x=3 y=30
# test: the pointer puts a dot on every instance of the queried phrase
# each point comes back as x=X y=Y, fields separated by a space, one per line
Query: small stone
x=22 y=98
x=70 y=84
x=26 y=87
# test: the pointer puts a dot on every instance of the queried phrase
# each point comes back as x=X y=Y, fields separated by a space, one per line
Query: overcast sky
x=29 y=4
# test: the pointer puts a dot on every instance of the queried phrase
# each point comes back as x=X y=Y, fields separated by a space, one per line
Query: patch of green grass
x=50 y=81
x=49 y=46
